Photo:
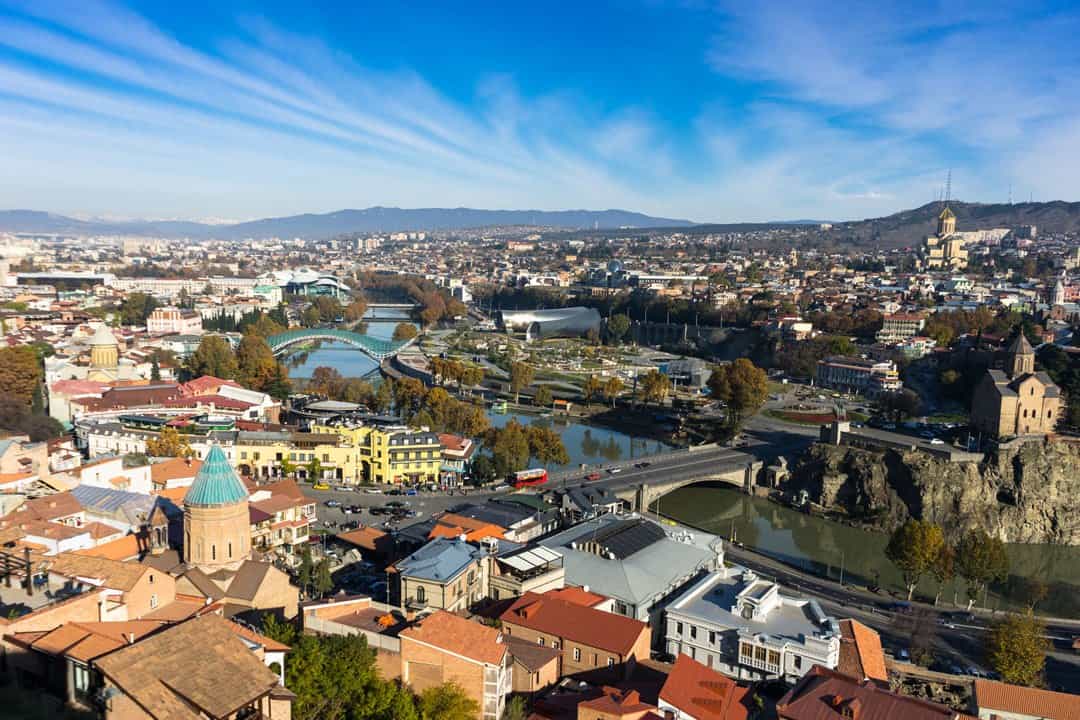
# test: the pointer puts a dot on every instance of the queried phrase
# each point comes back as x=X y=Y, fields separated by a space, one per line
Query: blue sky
x=709 y=111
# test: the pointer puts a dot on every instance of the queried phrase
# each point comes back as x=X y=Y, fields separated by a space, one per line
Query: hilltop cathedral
x=1017 y=400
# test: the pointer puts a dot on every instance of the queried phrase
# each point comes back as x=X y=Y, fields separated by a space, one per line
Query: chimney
x=131 y=638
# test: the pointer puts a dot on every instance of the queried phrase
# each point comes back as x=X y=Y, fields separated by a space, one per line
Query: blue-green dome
x=216 y=482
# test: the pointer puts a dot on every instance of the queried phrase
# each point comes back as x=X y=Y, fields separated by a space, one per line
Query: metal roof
x=216 y=482
x=531 y=559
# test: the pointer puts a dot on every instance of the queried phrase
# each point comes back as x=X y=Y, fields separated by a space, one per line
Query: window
x=540 y=641
x=774 y=658
x=796 y=661
x=81 y=678
x=421 y=596
x=554 y=644
x=213 y=552
x=678 y=628
x=693 y=632
x=610 y=662
x=153 y=601
x=151 y=580
x=230 y=549
x=712 y=637
x=691 y=653
x=577 y=654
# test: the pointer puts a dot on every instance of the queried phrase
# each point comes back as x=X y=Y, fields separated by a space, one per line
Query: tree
x=288 y=467
x=306 y=572
x=592 y=388
x=314 y=469
x=546 y=445
x=914 y=548
x=408 y=392
x=404 y=331
x=326 y=381
x=279 y=386
x=521 y=376
x=256 y=365
x=612 y=387
x=509 y=448
x=136 y=308
x=169 y=443
x=617 y=327
x=358 y=391
x=355 y=310
x=741 y=386
x=900 y=404
x=384 y=395
x=483 y=469
x=310 y=317
x=155 y=369
x=543 y=396
x=943 y=569
x=323 y=582
x=516 y=709
x=980 y=560
x=655 y=387
x=473 y=376
x=20 y=373
x=447 y=702
x=214 y=356
x=1016 y=648
x=263 y=326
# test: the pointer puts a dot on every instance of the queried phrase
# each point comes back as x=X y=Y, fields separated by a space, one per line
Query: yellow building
x=351 y=454
x=946 y=249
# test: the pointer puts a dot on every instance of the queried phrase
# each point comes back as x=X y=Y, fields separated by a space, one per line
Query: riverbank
x=827 y=549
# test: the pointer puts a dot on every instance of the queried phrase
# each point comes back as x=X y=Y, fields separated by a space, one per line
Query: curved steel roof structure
x=556 y=322
x=374 y=347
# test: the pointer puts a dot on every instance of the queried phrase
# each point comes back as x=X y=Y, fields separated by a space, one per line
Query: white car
x=373 y=491
x=614 y=470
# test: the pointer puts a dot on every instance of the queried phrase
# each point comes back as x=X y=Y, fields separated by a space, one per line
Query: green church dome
x=216 y=482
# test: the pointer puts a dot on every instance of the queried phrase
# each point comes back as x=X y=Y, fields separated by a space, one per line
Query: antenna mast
x=948 y=187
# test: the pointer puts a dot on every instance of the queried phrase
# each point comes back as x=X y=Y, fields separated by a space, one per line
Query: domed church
x=217 y=526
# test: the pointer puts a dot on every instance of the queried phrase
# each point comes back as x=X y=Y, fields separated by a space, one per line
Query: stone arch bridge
x=740 y=472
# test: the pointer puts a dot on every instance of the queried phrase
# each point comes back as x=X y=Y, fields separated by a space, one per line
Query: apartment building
x=174 y=321
x=444 y=647
x=740 y=624
x=898 y=327
x=589 y=639
x=445 y=574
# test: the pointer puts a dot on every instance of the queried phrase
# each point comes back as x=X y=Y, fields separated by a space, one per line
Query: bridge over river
x=374 y=347
x=667 y=472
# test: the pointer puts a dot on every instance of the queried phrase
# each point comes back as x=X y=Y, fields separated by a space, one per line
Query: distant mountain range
x=374 y=219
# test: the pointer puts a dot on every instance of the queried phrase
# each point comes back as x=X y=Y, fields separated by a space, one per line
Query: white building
x=741 y=625
x=174 y=321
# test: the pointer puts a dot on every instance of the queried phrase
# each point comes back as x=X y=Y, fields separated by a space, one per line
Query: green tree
x=169 y=443
x=521 y=376
x=306 y=572
x=980 y=560
x=943 y=570
x=155 y=369
x=655 y=387
x=509 y=448
x=741 y=386
x=21 y=373
x=136 y=308
x=358 y=391
x=1016 y=648
x=278 y=386
x=214 y=356
x=617 y=327
x=263 y=326
x=384 y=395
x=256 y=365
x=323 y=582
x=447 y=702
x=516 y=709
x=914 y=548
x=543 y=396
x=310 y=317
x=314 y=469
x=404 y=331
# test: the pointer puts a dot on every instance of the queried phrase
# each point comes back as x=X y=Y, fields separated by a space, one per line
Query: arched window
x=421 y=596
x=213 y=552
x=230 y=550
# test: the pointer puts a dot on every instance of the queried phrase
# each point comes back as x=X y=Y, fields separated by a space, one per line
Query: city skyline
x=709 y=112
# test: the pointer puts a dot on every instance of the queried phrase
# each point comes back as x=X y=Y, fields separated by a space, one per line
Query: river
x=587 y=444
x=822 y=546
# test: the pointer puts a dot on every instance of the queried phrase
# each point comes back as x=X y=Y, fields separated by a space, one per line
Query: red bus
x=525 y=478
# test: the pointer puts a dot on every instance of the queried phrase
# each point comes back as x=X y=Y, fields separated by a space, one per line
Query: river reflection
x=824 y=547
x=586 y=444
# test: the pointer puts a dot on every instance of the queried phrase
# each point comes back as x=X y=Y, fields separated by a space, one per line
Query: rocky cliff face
x=1027 y=494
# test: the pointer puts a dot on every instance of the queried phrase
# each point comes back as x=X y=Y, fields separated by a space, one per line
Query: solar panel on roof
x=628 y=537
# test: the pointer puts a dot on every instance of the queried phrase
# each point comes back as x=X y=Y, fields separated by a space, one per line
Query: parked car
x=332 y=503
x=614 y=470
x=412 y=491
x=593 y=476
x=373 y=491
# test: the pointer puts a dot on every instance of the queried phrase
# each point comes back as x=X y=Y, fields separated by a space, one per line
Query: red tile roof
x=204 y=385
x=703 y=693
x=174 y=469
x=616 y=703
x=576 y=595
x=861 y=655
x=585 y=625
x=459 y=636
x=825 y=694
x=998 y=696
